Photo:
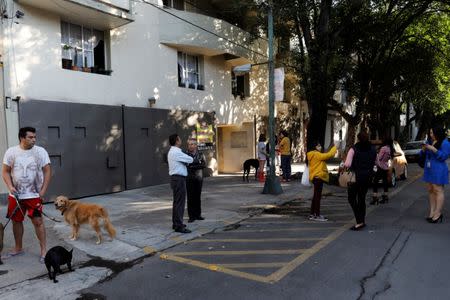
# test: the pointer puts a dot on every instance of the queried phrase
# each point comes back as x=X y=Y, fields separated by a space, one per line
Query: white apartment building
x=106 y=81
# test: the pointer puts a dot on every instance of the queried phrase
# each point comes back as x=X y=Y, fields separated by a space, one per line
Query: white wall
x=142 y=68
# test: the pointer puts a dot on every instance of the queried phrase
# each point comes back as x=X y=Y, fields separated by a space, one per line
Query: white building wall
x=142 y=68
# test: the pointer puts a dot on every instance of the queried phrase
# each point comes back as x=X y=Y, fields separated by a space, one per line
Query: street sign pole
x=272 y=184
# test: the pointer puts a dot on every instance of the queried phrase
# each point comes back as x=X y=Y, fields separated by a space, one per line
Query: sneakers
x=318 y=218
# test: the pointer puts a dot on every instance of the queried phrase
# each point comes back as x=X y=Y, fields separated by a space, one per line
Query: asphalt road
x=281 y=255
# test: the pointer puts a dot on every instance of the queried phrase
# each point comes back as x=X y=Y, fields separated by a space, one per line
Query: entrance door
x=236 y=144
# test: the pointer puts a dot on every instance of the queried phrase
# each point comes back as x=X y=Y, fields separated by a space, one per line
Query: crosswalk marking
x=244 y=252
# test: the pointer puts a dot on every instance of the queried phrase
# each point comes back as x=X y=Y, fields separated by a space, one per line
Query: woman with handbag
x=360 y=159
x=435 y=172
x=385 y=154
x=318 y=174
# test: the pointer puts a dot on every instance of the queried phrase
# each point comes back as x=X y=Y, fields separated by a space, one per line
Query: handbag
x=305 y=177
x=346 y=178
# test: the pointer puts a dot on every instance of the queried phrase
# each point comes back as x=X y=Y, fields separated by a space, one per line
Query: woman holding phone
x=435 y=172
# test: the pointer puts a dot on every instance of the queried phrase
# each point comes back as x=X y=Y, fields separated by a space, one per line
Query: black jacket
x=195 y=169
x=363 y=162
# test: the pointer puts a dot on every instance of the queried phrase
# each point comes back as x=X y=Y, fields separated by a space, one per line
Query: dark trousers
x=357 y=199
x=286 y=166
x=315 y=203
x=194 y=192
x=178 y=185
x=383 y=175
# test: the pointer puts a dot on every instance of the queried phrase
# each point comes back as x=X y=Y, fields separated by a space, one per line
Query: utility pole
x=272 y=184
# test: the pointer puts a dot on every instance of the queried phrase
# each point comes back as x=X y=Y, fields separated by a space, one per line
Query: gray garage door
x=85 y=144
x=91 y=154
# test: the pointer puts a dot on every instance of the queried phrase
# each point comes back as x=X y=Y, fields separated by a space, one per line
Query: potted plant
x=67 y=62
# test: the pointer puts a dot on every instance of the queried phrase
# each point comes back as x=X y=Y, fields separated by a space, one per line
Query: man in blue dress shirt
x=177 y=170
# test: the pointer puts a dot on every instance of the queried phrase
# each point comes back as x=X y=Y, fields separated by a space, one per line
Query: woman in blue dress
x=436 y=172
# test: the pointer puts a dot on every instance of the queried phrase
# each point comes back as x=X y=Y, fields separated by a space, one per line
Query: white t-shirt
x=262 y=151
x=26 y=169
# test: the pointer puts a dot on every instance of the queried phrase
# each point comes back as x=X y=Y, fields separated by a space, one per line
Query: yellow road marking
x=253 y=265
x=244 y=252
x=286 y=229
x=149 y=250
x=253 y=240
x=216 y=268
x=289 y=267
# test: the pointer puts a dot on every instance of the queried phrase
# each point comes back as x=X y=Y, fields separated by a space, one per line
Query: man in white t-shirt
x=26 y=172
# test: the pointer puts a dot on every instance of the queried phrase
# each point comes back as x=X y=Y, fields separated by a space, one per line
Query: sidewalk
x=142 y=218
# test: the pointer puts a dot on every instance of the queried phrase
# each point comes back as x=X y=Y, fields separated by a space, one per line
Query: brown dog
x=76 y=213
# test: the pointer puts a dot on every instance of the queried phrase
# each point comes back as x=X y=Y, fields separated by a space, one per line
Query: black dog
x=56 y=257
x=252 y=162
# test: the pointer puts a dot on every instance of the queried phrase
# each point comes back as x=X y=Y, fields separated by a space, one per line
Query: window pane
x=78 y=58
x=98 y=36
x=88 y=59
x=87 y=39
x=75 y=36
x=64 y=33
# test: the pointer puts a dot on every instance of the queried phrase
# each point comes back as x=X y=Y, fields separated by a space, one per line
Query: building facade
x=106 y=82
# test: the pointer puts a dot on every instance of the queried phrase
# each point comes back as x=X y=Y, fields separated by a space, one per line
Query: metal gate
x=85 y=145
x=98 y=149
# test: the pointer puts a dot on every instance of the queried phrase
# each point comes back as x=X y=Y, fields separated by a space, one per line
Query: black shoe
x=429 y=219
x=384 y=199
x=357 y=228
x=191 y=220
x=200 y=218
x=438 y=220
x=173 y=226
x=182 y=230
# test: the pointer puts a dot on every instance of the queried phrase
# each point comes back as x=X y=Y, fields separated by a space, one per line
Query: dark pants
x=383 y=175
x=315 y=203
x=286 y=166
x=194 y=192
x=178 y=185
x=357 y=199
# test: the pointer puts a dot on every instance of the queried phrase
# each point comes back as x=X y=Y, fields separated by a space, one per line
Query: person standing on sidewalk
x=385 y=153
x=285 y=151
x=177 y=170
x=360 y=159
x=318 y=174
x=262 y=156
x=26 y=172
x=194 y=181
x=435 y=172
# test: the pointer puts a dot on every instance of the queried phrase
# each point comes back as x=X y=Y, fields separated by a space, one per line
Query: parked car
x=412 y=150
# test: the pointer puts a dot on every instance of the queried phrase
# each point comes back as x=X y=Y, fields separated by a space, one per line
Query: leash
x=16 y=197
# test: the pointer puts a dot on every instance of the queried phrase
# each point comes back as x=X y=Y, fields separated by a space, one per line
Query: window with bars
x=240 y=85
x=83 y=48
x=190 y=71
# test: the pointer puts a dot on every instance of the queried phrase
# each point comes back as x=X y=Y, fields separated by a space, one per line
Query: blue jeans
x=286 y=166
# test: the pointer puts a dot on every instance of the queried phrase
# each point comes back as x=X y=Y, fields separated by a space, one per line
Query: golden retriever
x=76 y=213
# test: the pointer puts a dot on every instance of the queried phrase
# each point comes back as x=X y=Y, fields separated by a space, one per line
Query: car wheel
x=404 y=176
x=393 y=178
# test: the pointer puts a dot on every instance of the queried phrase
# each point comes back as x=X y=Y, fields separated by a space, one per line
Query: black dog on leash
x=250 y=163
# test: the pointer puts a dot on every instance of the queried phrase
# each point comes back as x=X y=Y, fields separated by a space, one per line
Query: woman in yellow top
x=318 y=174
x=285 y=152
